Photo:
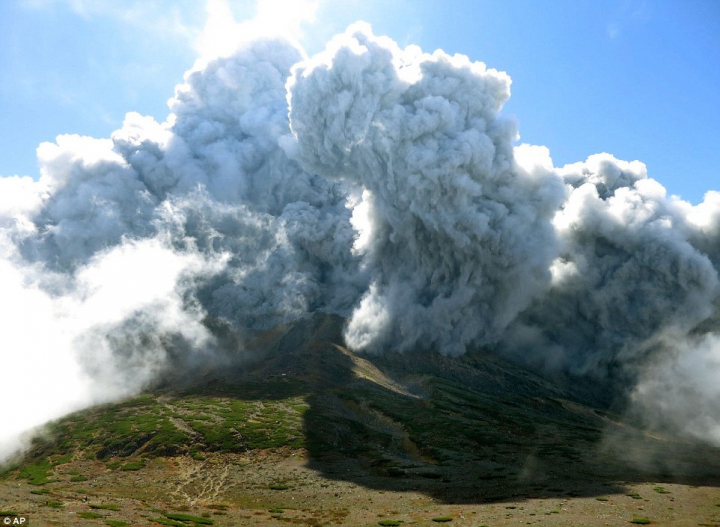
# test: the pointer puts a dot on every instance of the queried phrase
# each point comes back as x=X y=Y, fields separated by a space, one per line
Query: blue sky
x=635 y=78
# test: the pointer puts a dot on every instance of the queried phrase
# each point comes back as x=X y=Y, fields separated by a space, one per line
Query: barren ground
x=234 y=490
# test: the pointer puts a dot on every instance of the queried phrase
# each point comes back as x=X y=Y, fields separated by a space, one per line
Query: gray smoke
x=627 y=273
x=459 y=238
x=369 y=181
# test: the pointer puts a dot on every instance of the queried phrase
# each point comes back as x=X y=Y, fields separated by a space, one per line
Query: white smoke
x=378 y=183
x=71 y=341
x=680 y=388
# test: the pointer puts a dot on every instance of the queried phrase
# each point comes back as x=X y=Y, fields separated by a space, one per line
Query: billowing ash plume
x=126 y=246
x=627 y=273
x=373 y=182
x=460 y=238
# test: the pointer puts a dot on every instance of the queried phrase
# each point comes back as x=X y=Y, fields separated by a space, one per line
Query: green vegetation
x=37 y=473
x=390 y=523
x=602 y=499
x=196 y=455
x=116 y=523
x=40 y=491
x=641 y=521
x=105 y=506
x=67 y=458
x=89 y=515
x=143 y=425
x=54 y=504
x=634 y=495
x=661 y=490
x=442 y=519
x=181 y=520
x=8 y=513
x=165 y=521
x=188 y=518
x=77 y=478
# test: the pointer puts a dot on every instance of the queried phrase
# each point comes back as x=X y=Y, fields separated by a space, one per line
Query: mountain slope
x=469 y=430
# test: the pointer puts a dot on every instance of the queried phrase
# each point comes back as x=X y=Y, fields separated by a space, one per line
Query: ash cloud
x=379 y=183
x=627 y=274
x=461 y=238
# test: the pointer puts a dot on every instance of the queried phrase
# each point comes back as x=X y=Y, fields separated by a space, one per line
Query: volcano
x=311 y=433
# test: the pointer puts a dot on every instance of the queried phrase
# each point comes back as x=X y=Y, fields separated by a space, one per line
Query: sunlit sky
x=635 y=78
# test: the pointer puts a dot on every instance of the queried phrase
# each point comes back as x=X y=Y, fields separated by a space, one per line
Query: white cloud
x=222 y=34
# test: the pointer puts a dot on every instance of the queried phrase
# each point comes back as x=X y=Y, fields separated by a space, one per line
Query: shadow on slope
x=464 y=430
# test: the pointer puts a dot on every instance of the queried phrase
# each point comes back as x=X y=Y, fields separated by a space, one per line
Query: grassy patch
x=105 y=506
x=188 y=518
x=640 y=521
x=36 y=473
x=77 y=478
x=54 y=504
x=634 y=495
x=390 y=523
x=116 y=523
x=89 y=515
x=40 y=491
x=165 y=521
x=602 y=499
x=67 y=458
x=145 y=426
x=133 y=465
x=661 y=490
x=442 y=519
x=8 y=513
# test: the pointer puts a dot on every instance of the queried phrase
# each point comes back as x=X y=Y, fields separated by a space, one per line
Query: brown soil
x=235 y=490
